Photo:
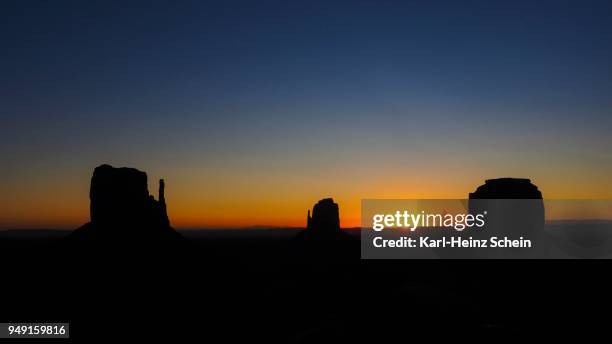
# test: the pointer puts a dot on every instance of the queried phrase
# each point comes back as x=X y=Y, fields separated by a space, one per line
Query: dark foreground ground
x=243 y=286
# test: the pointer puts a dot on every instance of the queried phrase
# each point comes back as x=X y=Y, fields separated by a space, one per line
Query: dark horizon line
x=258 y=227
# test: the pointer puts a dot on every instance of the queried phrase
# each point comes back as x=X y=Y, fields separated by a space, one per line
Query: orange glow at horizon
x=251 y=116
x=236 y=201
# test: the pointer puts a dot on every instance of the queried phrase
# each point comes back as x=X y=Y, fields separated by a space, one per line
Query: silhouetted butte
x=513 y=205
x=323 y=236
x=325 y=217
x=122 y=210
x=507 y=188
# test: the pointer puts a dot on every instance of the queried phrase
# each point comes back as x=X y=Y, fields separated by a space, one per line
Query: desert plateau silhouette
x=123 y=212
x=263 y=171
x=128 y=266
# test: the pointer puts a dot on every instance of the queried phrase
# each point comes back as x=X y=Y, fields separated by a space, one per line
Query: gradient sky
x=252 y=111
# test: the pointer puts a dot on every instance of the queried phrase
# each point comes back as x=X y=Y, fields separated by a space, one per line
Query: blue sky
x=293 y=89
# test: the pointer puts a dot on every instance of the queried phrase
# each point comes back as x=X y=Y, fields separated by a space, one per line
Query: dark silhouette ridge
x=325 y=217
x=513 y=205
x=323 y=236
x=122 y=210
x=507 y=188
